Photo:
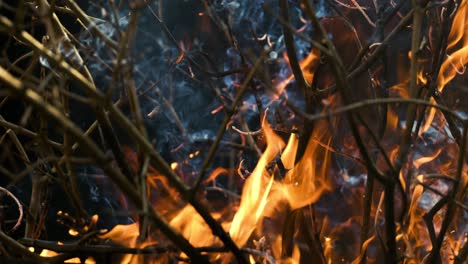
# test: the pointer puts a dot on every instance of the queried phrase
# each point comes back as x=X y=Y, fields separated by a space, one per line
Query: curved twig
x=20 y=207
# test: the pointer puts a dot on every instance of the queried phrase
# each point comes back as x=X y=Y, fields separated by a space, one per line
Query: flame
x=421 y=78
x=46 y=253
x=50 y=253
x=194 y=228
x=302 y=185
x=455 y=62
x=295 y=258
x=430 y=117
x=289 y=154
x=365 y=245
x=392 y=120
x=413 y=234
x=255 y=191
x=125 y=235
x=215 y=173
x=418 y=162
x=415 y=214
x=305 y=65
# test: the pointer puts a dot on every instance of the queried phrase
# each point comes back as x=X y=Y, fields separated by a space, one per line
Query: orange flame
x=255 y=191
x=123 y=234
x=455 y=62
x=127 y=236
x=303 y=184
x=418 y=162
x=50 y=253
x=415 y=215
x=295 y=258
x=305 y=66
x=193 y=227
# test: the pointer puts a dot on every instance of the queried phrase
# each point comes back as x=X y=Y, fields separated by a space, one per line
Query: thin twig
x=20 y=208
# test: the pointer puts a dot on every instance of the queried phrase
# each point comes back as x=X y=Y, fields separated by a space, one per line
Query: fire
x=418 y=162
x=255 y=192
x=415 y=222
x=194 y=228
x=295 y=258
x=302 y=184
x=127 y=236
x=306 y=64
x=124 y=234
x=50 y=253
x=455 y=62
x=305 y=183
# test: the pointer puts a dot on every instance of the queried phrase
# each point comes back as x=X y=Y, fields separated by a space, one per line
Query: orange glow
x=421 y=78
x=306 y=64
x=392 y=120
x=418 y=162
x=400 y=90
x=295 y=258
x=50 y=253
x=125 y=235
x=415 y=213
x=216 y=172
x=412 y=234
x=73 y=232
x=430 y=117
x=289 y=153
x=365 y=245
x=455 y=62
x=303 y=183
x=193 y=155
x=193 y=227
x=255 y=191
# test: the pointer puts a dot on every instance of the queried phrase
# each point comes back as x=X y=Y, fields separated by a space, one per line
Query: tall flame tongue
x=455 y=62
x=306 y=182
x=302 y=185
x=255 y=191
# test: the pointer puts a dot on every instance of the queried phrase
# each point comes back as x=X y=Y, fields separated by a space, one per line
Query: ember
x=222 y=131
